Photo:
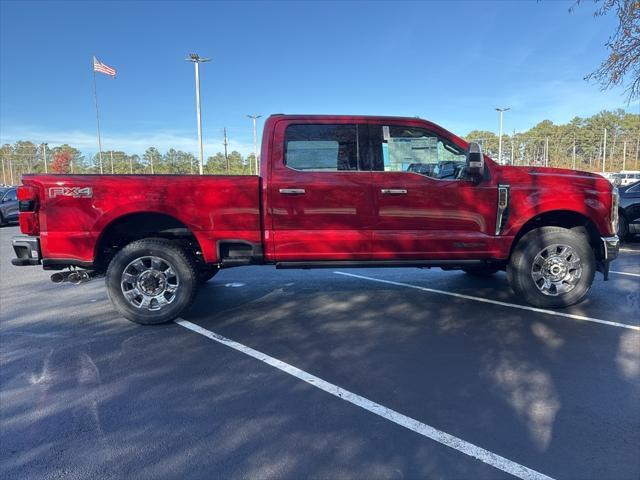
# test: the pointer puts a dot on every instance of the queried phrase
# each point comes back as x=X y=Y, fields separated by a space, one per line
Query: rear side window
x=322 y=148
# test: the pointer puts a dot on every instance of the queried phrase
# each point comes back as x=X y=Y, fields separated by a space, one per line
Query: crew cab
x=333 y=191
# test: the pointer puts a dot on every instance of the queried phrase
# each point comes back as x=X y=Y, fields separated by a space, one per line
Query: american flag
x=98 y=66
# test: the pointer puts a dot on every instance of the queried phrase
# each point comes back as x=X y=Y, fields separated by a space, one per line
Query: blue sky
x=451 y=62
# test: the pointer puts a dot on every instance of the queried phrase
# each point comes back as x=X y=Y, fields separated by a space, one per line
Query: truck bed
x=74 y=210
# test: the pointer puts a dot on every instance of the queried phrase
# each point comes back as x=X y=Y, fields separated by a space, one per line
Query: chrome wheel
x=556 y=269
x=149 y=283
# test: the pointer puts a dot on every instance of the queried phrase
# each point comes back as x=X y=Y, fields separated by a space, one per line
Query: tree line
x=609 y=139
x=29 y=157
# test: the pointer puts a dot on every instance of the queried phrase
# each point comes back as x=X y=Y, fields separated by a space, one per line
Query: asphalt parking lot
x=396 y=373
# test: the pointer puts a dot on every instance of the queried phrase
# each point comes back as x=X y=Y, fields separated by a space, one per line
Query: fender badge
x=75 y=192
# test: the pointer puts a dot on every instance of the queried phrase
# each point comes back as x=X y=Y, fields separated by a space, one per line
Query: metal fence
x=38 y=160
x=578 y=153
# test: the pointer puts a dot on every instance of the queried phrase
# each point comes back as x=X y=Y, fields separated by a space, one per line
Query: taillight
x=27 y=198
x=28 y=206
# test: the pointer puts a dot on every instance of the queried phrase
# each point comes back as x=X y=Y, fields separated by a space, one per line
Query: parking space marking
x=495 y=302
x=625 y=273
x=423 y=429
x=629 y=250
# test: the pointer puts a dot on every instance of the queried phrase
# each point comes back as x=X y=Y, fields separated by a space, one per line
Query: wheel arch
x=133 y=226
x=561 y=218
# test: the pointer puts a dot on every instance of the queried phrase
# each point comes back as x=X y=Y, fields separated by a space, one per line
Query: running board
x=379 y=264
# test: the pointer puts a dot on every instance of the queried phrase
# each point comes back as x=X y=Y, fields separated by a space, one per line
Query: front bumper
x=609 y=252
x=27 y=251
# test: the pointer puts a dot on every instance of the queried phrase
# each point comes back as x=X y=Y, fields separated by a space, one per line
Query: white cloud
x=133 y=142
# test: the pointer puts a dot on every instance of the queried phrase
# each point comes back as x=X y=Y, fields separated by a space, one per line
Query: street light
x=197 y=60
x=44 y=156
x=501 y=110
x=255 y=139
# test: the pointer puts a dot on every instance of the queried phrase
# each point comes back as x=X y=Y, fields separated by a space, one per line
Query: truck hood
x=546 y=176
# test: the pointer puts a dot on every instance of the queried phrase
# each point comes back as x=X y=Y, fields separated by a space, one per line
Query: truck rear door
x=320 y=191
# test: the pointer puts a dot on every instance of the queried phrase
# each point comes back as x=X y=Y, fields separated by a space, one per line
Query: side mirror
x=474 y=170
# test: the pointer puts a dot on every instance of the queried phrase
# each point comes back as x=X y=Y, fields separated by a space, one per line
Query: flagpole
x=95 y=96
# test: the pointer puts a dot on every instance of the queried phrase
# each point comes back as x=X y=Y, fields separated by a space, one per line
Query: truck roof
x=356 y=118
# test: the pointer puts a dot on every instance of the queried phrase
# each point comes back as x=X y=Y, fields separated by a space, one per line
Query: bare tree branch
x=622 y=66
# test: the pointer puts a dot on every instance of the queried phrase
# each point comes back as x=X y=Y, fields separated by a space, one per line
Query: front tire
x=552 y=267
x=151 y=281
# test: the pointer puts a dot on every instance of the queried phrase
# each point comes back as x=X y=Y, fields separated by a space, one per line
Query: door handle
x=292 y=191
x=393 y=191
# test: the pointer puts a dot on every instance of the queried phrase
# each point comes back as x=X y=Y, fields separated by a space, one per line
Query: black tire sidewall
x=623 y=230
x=519 y=269
x=167 y=251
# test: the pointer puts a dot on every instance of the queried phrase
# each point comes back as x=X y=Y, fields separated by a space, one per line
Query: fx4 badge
x=75 y=192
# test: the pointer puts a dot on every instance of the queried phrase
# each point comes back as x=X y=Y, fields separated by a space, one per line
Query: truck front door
x=319 y=192
x=423 y=209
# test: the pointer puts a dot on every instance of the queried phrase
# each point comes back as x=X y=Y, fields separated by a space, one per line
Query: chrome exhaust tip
x=75 y=278
x=59 y=277
x=80 y=276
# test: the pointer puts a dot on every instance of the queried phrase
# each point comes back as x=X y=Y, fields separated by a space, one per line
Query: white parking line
x=423 y=429
x=625 y=273
x=495 y=302
x=629 y=250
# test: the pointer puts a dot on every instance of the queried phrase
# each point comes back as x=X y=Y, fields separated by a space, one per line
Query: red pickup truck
x=333 y=191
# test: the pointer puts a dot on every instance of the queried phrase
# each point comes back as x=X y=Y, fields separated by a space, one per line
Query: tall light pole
x=197 y=60
x=226 y=157
x=4 y=175
x=255 y=140
x=44 y=156
x=604 y=152
x=501 y=111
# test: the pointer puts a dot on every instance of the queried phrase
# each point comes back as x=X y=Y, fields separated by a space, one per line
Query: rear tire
x=151 y=281
x=481 y=271
x=552 y=267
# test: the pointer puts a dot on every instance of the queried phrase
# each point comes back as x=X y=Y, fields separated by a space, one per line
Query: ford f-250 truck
x=333 y=191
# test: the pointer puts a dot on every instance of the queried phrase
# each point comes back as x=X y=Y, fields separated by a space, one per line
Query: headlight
x=615 y=201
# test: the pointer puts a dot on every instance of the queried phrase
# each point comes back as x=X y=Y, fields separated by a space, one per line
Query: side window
x=322 y=148
x=11 y=196
x=411 y=149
